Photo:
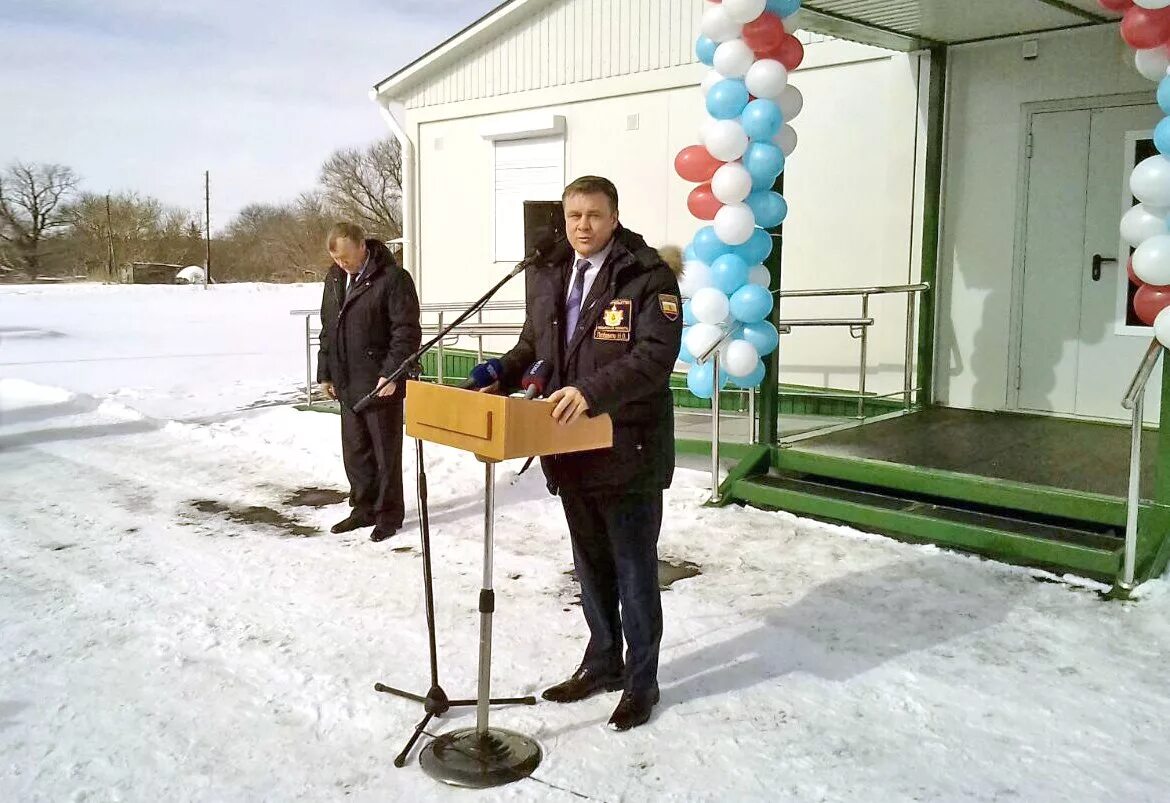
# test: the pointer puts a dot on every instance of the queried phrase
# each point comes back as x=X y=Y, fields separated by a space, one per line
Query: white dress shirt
x=595 y=263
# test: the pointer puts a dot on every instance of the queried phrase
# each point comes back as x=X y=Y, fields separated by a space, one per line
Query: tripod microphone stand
x=435 y=702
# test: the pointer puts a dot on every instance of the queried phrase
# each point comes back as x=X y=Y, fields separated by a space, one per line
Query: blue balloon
x=708 y=246
x=762 y=120
x=689 y=318
x=727 y=99
x=751 y=303
x=729 y=273
x=689 y=254
x=699 y=380
x=764 y=161
x=1164 y=94
x=769 y=207
x=752 y=380
x=705 y=50
x=1162 y=136
x=783 y=8
x=763 y=336
x=683 y=354
x=755 y=250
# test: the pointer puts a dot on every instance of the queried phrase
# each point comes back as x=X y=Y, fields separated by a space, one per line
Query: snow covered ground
x=158 y=644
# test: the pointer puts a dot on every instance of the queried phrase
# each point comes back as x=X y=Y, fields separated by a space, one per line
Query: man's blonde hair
x=349 y=231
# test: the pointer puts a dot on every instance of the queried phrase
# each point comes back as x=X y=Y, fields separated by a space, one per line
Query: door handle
x=1098 y=261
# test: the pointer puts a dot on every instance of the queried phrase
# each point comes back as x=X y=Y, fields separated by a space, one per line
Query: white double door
x=1079 y=344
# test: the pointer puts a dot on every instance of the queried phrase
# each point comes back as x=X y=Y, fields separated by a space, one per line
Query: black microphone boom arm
x=409 y=364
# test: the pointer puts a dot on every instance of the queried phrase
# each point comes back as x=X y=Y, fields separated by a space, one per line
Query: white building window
x=525 y=170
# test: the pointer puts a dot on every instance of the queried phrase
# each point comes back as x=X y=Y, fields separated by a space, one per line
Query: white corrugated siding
x=573 y=41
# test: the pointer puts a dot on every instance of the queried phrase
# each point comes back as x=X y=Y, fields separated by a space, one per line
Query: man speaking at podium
x=604 y=310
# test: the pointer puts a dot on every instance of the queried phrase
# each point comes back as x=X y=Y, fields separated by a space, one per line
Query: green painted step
x=1080 y=547
x=965 y=489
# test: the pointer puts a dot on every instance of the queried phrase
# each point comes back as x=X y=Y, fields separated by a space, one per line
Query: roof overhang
x=909 y=25
x=904 y=25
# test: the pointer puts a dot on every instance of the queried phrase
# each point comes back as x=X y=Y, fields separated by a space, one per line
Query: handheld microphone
x=536 y=379
x=483 y=375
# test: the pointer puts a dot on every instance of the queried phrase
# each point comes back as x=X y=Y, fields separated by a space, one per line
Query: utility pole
x=207 y=230
x=109 y=242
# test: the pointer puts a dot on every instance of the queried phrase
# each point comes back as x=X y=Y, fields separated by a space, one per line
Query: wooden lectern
x=493 y=428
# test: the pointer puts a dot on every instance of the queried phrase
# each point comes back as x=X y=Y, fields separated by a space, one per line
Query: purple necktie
x=573 y=305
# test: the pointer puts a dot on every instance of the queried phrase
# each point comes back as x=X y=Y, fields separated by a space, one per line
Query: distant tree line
x=49 y=228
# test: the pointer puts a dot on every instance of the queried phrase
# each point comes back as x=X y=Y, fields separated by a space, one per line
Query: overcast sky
x=146 y=94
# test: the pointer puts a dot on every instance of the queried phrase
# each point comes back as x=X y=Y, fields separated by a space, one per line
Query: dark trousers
x=371 y=446
x=615 y=551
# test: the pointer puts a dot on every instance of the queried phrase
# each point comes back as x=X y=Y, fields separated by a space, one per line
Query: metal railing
x=1135 y=398
x=859 y=328
x=911 y=291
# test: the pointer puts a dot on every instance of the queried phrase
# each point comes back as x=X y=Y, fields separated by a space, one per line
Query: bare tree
x=365 y=186
x=33 y=205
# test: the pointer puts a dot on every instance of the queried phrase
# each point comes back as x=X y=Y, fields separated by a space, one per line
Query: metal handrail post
x=861 y=383
x=751 y=416
x=1134 y=499
x=308 y=360
x=439 y=358
x=715 y=427
x=908 y=370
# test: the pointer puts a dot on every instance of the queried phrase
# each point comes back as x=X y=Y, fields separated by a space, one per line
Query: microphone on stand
x=483 y=375
x=536 y=379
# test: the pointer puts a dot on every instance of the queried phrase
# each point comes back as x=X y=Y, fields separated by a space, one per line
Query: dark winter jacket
x=620 y=358
x=367 y=333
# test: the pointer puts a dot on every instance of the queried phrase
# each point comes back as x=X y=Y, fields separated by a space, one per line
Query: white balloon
x=731 y=183
x=786 y=139
x=1152 y=63
x=718 y=25
x=710 y=305
x=1152 y=4
x=734 y=224
x=761 y=276
x=726 y=140
x=1150 y=181
x=734 y=58
x=709 y=80
x=766 y=78
x=1162 y=327
x=744 y=11
x=1143 y=222
x=739 y=358
x=791 y=102
x=1151 y=261
x=701 y=337
x=696 y=276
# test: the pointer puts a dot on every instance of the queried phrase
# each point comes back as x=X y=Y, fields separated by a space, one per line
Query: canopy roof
x=917 y=24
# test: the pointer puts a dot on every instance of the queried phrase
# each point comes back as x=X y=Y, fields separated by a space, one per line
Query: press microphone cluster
x=483 y=375
x=536 y=378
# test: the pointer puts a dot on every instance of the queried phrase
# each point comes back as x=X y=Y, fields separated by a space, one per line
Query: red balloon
x=1149 y=301
x=790 y=52
x=696 y=164
x=703 y=203
x=1110 y=5
x=1143 y=28
x=764 y=33
x=1133 y=277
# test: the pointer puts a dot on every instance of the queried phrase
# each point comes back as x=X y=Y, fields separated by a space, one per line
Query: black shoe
x=354 y=521
x=584 y=683
x=382 y=532
x=633 y=709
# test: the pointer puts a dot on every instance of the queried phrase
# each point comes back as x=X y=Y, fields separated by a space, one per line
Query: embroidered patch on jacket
x=615 y=321
x=669 y=306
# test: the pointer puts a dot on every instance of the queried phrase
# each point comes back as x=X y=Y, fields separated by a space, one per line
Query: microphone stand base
x=473 y=760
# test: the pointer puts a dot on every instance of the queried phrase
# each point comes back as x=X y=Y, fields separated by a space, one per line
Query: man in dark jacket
x=369 y=326
x=605 y=312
